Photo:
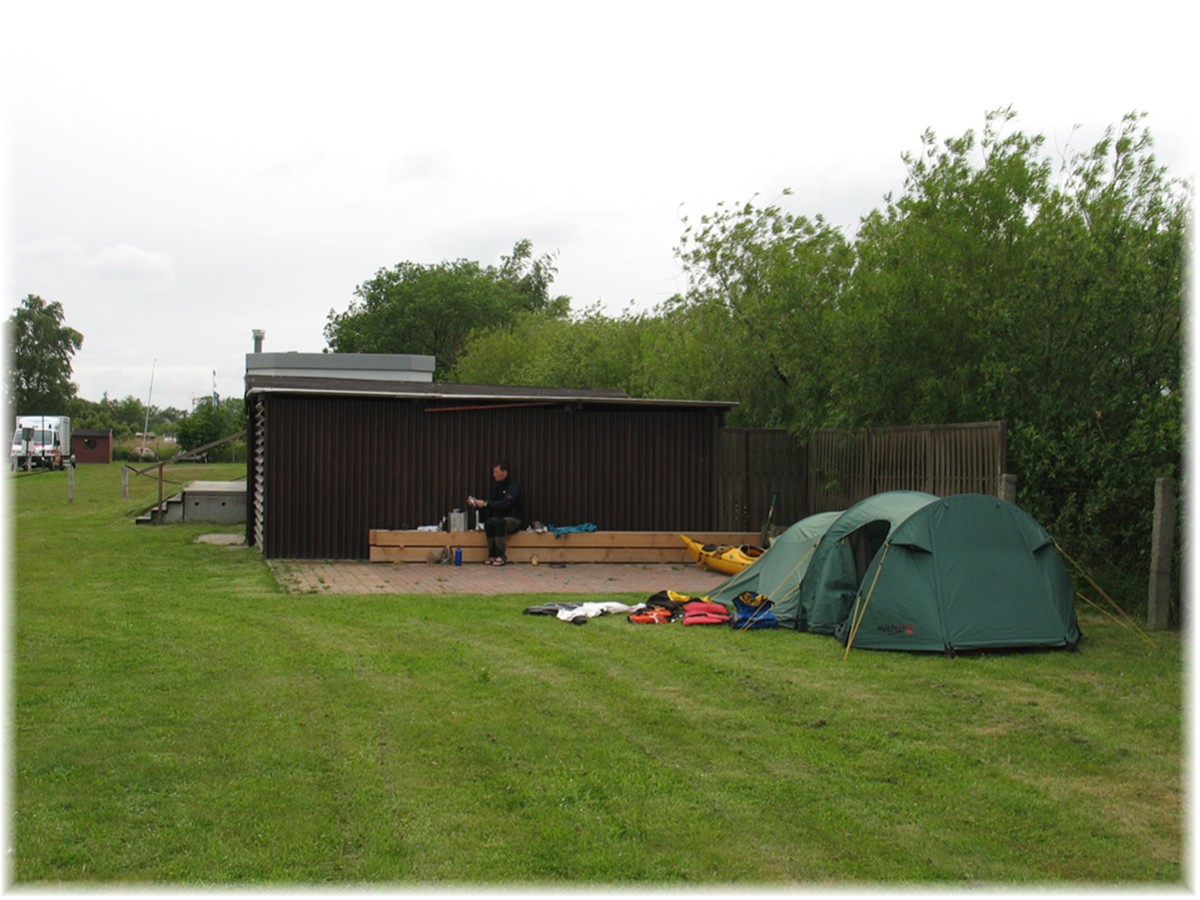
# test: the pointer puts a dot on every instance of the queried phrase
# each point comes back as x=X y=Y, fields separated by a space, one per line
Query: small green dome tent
x=966 y=572
x=777 y=574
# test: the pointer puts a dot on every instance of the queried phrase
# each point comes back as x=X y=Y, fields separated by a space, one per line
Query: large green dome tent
x=965 y=572
x=843 y=553
x=777 y=574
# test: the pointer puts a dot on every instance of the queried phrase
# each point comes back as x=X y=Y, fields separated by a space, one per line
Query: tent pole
x=857 y=613
x=792 y=573
x=1129 y=626
x=1132 y=625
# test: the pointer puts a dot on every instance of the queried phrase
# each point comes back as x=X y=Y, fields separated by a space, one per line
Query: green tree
x=1100 y=344
x=532 y=279
x=125 y=417
x=90 y=414
x=41 y=348
x=997 y=287
x=210 y=422
x=764 y=286
x=936 y=272
x=432 y=309
x=589 y=350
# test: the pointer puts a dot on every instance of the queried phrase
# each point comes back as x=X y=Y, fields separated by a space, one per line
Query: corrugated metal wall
x=337 y=466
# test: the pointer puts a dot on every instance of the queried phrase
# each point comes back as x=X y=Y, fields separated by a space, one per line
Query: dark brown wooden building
x=334 y=457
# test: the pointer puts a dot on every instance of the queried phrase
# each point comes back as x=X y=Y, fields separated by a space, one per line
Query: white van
x=41 y=441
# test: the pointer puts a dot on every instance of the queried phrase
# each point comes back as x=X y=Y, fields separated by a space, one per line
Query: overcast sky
x=181 y=174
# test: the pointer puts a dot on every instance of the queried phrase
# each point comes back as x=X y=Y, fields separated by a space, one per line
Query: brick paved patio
x=342 y=577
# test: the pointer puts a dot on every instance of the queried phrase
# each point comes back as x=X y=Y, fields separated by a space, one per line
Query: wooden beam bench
x=572 y=547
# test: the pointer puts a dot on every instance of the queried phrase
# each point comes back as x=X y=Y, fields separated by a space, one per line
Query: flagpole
x=146 y=427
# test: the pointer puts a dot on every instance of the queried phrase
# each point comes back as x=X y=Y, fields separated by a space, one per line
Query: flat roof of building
x=458 y=393
x=375 y=366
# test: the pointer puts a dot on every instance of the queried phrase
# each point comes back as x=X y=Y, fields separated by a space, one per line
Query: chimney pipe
x=259 y=334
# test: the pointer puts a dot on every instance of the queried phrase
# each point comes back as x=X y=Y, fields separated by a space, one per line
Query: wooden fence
x=753 y=466
x=837 y=469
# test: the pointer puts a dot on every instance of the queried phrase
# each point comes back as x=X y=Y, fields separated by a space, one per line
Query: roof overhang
x=499 y=395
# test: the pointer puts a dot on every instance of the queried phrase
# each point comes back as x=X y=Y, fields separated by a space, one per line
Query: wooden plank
x=599 y=555
x=659 y=539
x=422 y=554
x=621 y=539
x=393 y=538
x=472 y=555
x=596 y=547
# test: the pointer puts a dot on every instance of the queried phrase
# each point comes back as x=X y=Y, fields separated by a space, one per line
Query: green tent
x=778 y=572
x=965 y=572
x=843 y=553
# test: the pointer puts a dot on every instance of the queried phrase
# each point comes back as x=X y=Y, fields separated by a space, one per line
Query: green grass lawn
x=180 y=720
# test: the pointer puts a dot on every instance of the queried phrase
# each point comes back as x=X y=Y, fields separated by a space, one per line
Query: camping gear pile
x=668 y=607
x=660 y=609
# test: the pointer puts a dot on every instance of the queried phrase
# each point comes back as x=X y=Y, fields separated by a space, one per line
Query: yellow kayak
x=729 y=560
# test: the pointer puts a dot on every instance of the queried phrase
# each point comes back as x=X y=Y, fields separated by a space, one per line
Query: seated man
x=504 y=512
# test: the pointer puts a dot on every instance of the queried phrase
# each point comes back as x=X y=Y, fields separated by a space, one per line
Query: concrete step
x=201 y=501
x=172 y=512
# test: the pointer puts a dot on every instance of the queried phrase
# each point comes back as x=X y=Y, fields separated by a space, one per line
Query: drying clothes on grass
x=665 y=607
x=586 y=611
x=550 y=609
x=577 y=613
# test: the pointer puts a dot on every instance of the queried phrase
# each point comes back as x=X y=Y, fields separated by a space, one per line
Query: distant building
x=92 y=445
